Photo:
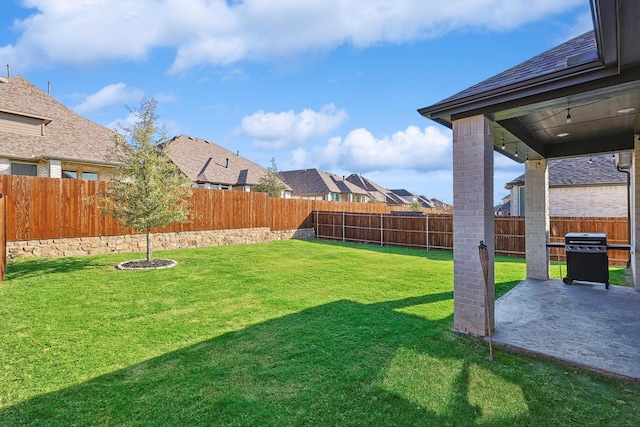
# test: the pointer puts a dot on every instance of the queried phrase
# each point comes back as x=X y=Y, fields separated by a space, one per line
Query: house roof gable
x=204 y=161
x=575 y=52
x=317 y=182
x=67 y=135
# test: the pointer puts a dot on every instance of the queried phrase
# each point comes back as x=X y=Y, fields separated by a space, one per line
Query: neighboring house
x=504 y=208
x=314 y=184
x=41 y=137
x=579 y=186
x=374 y=190
x=209 y=165
x=440 y=205
x=409 y=198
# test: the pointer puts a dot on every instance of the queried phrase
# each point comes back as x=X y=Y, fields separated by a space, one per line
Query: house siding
x=20 y=124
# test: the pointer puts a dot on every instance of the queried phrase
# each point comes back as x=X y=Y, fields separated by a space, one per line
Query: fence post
x=343 y=227
x=381 y=230
x=427 y=228
x=317 y=225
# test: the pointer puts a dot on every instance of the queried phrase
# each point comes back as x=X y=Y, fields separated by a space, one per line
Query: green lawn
x=275 y=334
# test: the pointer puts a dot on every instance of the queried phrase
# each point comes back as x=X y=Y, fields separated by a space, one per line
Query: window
x=90 y=176
x=70 y=174
x=522 y=199
x=335 y=197
x=24 y=169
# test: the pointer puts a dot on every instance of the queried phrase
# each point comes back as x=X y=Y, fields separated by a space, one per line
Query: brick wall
x=609 y=200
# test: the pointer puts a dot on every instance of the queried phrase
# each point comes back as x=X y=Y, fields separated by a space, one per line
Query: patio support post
x=472 y=222
x=537 y=219
x=635 y=211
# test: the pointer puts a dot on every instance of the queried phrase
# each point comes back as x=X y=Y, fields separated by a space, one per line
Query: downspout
x=628 y=209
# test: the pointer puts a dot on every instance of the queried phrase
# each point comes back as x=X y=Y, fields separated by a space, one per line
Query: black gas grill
x=587 y=258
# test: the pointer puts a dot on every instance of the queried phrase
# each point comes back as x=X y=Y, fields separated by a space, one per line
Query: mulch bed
x=143 y=264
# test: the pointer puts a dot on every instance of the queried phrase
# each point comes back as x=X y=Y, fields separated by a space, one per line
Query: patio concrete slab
x=582 y=324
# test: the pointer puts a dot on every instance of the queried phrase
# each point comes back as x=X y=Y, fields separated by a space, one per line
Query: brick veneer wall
x=587 y=200
x=609 y=200
x=54 y=248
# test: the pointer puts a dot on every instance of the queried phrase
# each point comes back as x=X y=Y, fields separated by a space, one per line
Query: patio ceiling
x=593 y=79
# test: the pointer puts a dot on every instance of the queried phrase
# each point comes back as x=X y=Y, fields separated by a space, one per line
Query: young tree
x=149 y=190
x=270 y=182
x=416 y=206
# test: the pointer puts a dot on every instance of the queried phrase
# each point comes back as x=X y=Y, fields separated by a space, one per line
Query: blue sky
x=328 y=84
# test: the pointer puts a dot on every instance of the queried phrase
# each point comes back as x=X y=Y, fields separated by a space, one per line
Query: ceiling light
x=568 y=115
x=562 y=135
x=516 y=154
x=590 y=159
x=626 y=110
x=503 y=147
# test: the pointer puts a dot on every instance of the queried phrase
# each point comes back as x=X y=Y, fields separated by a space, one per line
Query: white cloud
x=109 y=95
x=299 y=159
x=584 y=23
x=119 y=124
x=411 y=149
x=219 y=32
x=278 y=130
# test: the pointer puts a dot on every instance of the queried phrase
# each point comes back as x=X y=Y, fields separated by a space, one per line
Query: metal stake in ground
x=554 y=231
x=484 y=261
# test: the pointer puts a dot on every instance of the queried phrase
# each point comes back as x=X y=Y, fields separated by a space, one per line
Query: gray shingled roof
x=316 y=182
x=408 y=197
x=579 y=50
x=205 y=162
x=374 y=190
x=579 y=171
x=67 y=136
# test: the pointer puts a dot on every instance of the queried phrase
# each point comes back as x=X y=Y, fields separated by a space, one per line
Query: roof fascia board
x=605 y=24
x=541 y=88
x=580 y=84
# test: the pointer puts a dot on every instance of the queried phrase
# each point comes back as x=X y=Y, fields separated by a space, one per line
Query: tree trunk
x=148 y=245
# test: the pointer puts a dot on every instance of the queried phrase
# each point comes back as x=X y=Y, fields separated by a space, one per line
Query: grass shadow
x=431 y=254
x=342 y=363
x=29 y=267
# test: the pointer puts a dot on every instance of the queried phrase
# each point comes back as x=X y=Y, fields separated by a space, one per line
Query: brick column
x=472 y=222
x=536 y=180
x=55 y=168
x=5 y=167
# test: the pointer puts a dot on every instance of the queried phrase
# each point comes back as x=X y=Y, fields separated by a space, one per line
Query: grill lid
x=585 y=239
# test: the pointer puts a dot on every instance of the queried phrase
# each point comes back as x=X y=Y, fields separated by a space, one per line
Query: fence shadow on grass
x=25 y=268
x=432 y=254
x=343 y=363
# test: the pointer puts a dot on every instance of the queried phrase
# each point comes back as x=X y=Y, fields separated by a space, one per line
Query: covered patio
x=584 y=324
x=577 y=99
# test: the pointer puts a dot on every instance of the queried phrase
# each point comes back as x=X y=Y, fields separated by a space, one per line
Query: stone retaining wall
x=55 y=248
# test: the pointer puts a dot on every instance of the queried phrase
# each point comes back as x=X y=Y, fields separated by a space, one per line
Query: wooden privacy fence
x=49 y=208
x=436 y=231
x=424 y=231
x=3 y=236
